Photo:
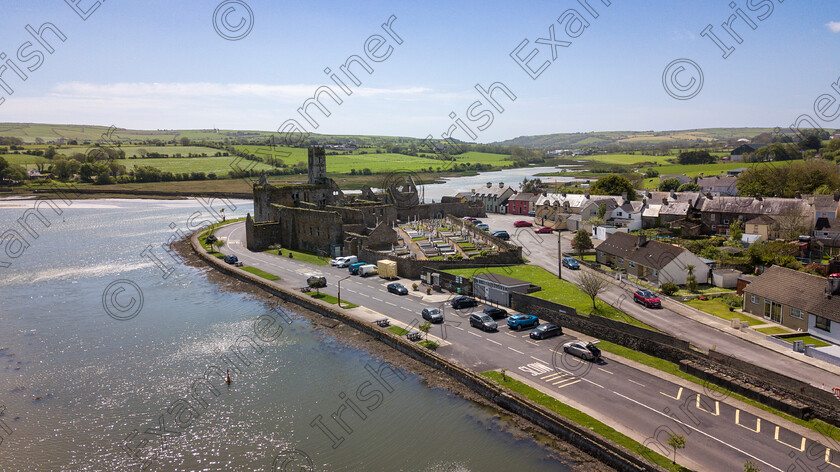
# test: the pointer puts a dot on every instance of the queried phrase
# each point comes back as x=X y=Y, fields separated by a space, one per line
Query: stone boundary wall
x=588 y=441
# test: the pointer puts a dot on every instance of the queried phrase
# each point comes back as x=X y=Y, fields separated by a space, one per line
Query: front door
x=773 y=311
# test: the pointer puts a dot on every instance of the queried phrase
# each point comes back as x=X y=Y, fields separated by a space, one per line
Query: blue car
x=354 y=268
x=518 y=322
x=571 y=263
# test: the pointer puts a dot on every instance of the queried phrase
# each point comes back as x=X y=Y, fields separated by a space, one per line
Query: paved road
x=541 y=250
x=721 y=433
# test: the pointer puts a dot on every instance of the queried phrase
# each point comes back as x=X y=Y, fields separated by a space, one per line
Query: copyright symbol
x=233 y=20
x=122 y=300
x=292 y=460
x=682 y=79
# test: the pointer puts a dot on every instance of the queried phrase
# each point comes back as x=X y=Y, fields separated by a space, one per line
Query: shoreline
x=517 y=426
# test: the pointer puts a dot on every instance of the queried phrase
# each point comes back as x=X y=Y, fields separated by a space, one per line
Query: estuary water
x=103 y=337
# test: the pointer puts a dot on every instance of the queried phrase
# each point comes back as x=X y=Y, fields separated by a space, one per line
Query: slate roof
x=675 y=208
x=755 y=206
x=528 y=197
x=651 y=254
x=796 y=289
x=824 y=203
x=761 y=220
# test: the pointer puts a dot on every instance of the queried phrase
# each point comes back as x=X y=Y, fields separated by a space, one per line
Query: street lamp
x=559 y=256
x=339 y=290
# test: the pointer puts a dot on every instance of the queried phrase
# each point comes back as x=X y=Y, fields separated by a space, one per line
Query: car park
x=483 y=226
x=544 y=229
x=399 y=289
x=495 y=312
x=432 y=315
x=231 y=259
x=522 y=224
x=584 y=350
x=518 y=322
x=571 y=263
x=547 y=330
x=463 y=302
x=483 y=322
x=647 y=298
x=501 y=234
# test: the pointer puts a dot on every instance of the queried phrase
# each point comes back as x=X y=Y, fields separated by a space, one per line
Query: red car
x=544 y=229
x=522 y=224
x=647 y=298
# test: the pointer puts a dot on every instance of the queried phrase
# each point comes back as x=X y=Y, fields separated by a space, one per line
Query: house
x=523 y=203
x=793 y=214
x=737 y=154
x=736 y=172
x=496 y=288
x=603 y=232
x=627 y=215
x=719 y=185
x=684 y=179
x=554 y=209
x=664 y=208
x=825 y=206
x=798 y=300
x=495 y=197
x=762 y=226
x=657 y=262
x=34 y=174
x=827 y=232
x=835 y=136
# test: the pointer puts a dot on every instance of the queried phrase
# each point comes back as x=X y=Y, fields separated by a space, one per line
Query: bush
x=669 y=288
x=428 y=290
x=414 y=286
x=732 y=300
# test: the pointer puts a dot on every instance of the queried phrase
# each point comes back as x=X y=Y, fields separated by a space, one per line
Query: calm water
x=512 y=177
x=75 y=383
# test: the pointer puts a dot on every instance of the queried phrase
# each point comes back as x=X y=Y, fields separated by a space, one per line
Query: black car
x=398 y=289
x=547 y=330
x=495 y=312
x=501 y=234
x=432 y=315
x=463 y=302
x=231 y=259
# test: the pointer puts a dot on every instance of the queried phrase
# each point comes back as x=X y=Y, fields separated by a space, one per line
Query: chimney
x=673 y=194
x=586 y=194
x=798 y=196
x=664 y=200
x=501 y=185
x=833 y=287
x=758 y=197
x=624 y=196
x=709 y=195
x=641 y=241
x=837 y=196
x=489 y=184
x=473 y=190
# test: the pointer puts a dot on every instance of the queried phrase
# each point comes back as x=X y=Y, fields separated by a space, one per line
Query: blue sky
x=161 y=64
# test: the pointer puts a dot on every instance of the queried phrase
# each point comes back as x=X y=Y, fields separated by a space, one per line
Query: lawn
x=555 y=290
x=397 y=330
x=772 y=330
x=807 y=339
x=261 y=273
x=581 y=418
x=301 y=256
x=332 y=299
x=704 y=289
x=717 y=308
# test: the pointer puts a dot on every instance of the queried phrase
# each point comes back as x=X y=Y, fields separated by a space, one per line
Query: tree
x=185 y=141
x=651 y=173
x=593 y=285
x=582 y=242
x=811 y=141
x=735 y=230
x=602 y=210
x=695 y=157
x=750 y=466
x=689 y=187
x=614 y=185
x=677 y=441
x=425 y=327
x=669 y=184
x=691 y=280
x=143 y=152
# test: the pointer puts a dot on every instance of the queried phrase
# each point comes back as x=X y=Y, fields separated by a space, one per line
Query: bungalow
x=719 y=185
x=798 y=300
x=657 y=262
x=523 y=203
x=763 y=226
x=495 y=197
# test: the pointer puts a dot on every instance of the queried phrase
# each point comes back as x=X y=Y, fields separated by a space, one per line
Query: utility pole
x=339 y=290
x=559 y=256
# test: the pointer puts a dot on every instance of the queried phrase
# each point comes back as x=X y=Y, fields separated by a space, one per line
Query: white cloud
x=834 y=26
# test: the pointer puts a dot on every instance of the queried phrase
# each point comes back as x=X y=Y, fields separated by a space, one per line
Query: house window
x=822 y=323
x=600 y=254
x=712 y=217
x=796 y=313
x=621 y=260
x=632 y=264
x=654 y=273
x=754 y=299
x=726 y=222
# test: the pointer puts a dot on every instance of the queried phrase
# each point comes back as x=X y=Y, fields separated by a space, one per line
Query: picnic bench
x=383 y=322
x=414 y=336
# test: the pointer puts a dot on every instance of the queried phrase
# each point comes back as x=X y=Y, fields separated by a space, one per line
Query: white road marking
x=544 y=362
x=474 y=334
x=514 y=350
x=389 y=303
x=379 y=300
x=637 y=383
x=495 y=342
x=462 y=329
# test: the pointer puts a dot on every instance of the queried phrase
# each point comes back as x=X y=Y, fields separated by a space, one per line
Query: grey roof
x=796 y=289
x=676 y=208
x=761 y=220
x=755 y=206
x=501 y=279
x=494 y=191
x=718 y=181
x=529 y=197
x=823 y=203
x=829 y=225
x=650 y=254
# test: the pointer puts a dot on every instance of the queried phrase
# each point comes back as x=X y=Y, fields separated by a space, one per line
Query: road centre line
x=637 y=383
x=514 y=350
x=495 y=342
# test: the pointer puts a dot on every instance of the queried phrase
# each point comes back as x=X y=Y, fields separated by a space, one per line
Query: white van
x=368 y=269
x=344 y=261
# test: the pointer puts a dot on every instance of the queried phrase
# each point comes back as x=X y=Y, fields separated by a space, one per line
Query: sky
x=568 y=65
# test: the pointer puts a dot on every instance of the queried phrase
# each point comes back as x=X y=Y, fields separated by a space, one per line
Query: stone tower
x=317 y=166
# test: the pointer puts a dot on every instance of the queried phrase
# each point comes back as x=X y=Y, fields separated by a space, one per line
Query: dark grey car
x=483 y=322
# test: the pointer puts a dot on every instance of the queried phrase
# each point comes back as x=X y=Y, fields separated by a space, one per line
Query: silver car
x=584 y=350
x=432 y=315
x=483 y=322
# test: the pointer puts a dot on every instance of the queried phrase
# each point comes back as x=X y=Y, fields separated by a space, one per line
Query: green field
x=133 y=151
x=706 y=169
x=218 y=165
x=554 y=289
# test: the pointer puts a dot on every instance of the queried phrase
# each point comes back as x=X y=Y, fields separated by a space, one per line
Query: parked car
x=483 y=226
x=231 y=259
x=475 y=221
x=463 y=302
x=397 y=288
x=495 y=312
x=584 y=350
x=547 y=330
x=344 y=261
x=544 y=229
x=501 y=234
x=432 y=315
x=522 y=224
x=647 y=298
x=238 y=264
x=354 y=268
x=571 y=263
x=483 y=322
x=521 y=321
